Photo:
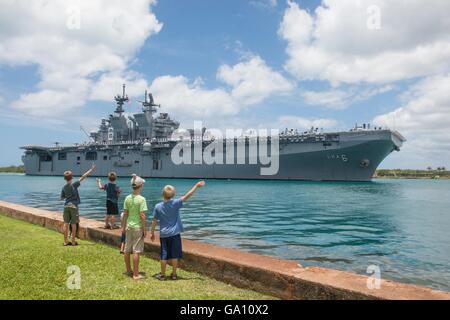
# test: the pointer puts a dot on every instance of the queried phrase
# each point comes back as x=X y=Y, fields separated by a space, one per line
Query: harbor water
x=401 y=226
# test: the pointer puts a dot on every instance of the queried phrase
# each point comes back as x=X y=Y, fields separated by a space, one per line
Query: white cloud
x=341 y=99
x=264 y=4
x=424 y=119
x=335 y=99
x=109 y=83
x=91 y=63
x=70 y=59
x=50 y=103
x=249 y=83
x=294 y=122
x=252 y=81
x=335 y=43
x=177 y=94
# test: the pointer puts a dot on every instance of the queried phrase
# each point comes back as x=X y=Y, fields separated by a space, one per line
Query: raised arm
x=87 y=173
x=99 y=184
x=192 y=191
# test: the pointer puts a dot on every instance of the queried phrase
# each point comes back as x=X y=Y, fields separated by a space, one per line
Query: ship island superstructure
x=142 y=143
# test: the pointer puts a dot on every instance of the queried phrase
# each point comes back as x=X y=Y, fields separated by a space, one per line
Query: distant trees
x=437 y=169
x=440 y=172
x=13 y=169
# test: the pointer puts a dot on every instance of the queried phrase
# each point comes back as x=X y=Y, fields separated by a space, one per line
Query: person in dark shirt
x=112 y=199
x=71 y=197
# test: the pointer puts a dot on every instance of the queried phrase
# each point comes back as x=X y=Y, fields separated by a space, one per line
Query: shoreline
x=390 y=177
x=410 y=178
x=410 y=174
x=429 y=174
x=282 y=278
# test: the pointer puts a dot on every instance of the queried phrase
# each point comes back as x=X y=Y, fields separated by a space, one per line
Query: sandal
x=75 y=243
x=173 y=277
x=65 y=244
x=128 y=274
x=160 y=277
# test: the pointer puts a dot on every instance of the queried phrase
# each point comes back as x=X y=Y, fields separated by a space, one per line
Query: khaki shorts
x=71 y=215
x=134 y=240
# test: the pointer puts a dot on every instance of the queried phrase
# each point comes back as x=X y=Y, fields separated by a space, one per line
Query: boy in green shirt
x=134 y=226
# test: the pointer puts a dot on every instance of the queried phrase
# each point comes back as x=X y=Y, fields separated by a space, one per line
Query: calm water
x=403 y=226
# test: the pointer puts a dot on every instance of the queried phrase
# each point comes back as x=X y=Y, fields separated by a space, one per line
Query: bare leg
x=163 y=267
x=106 y=221
x=136 y=265
x=127 y=262
x=174 y=266
x=113 y=221
x=66 y=232
x=74 y=233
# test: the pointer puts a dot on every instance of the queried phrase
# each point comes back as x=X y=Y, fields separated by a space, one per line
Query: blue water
x=403 y=226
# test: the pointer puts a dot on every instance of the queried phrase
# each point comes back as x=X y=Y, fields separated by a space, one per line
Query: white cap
x=137 y=181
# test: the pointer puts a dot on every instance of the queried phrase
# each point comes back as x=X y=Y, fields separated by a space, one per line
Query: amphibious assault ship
x=143 y=143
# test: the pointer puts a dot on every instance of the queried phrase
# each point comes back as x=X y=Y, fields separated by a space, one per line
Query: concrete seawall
x=281 y=278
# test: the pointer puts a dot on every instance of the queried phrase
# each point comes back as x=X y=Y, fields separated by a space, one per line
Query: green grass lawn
x=34 y=266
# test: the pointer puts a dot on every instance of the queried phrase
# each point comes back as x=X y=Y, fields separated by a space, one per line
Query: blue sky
x=261 y=63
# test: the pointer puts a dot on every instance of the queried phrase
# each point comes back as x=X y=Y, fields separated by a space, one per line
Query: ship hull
x=354 y=158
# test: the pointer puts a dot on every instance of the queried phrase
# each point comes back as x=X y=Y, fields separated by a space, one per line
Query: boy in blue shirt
x=112 y=199
x=170 y=227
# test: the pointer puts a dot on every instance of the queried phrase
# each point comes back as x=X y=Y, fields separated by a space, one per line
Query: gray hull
x=354 y=157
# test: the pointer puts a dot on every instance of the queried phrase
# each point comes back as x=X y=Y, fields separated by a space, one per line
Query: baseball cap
x=136 y=181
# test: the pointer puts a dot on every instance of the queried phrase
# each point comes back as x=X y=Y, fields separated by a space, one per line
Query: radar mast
x=149 y=105
x=120 y=100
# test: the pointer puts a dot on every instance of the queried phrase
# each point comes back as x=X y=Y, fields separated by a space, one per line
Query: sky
x=231 y=64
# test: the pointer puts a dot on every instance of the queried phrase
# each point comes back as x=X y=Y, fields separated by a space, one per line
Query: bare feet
x=138 y=277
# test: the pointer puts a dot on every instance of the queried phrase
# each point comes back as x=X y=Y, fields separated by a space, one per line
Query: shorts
x=112 y=208
x=134 y=241
x=171 y=247
x=71 y=215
